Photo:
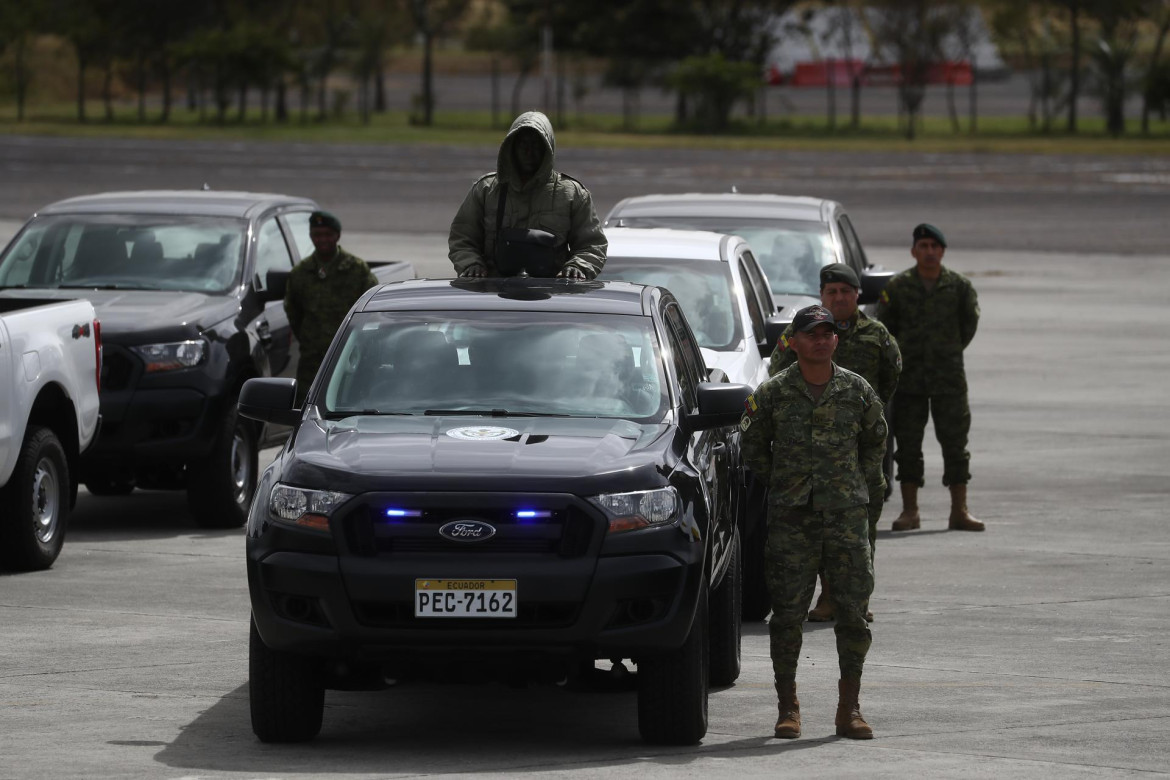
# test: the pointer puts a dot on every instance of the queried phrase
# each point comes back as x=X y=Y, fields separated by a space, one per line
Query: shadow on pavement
x=431 y=728
x=144 y=514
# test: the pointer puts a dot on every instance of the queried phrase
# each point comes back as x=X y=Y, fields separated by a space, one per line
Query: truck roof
x=211 y=203
x=518 y=293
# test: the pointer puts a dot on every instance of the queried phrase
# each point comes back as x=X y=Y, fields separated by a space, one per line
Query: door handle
x=264 y=333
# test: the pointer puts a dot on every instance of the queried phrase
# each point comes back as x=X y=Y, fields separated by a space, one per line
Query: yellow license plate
x=465 y=598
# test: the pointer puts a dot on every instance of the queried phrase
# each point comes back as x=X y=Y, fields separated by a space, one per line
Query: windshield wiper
x=489 y=413
x=341 y=414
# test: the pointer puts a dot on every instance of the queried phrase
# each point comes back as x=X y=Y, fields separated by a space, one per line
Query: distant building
x=820 y=46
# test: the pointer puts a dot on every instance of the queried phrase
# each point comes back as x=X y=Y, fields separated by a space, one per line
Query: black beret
x=929 y=231
x=839 y=272
x=324 y=219
x=811 y=316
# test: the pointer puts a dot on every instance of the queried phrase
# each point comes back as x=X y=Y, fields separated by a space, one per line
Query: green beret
x=929 y=231
x=839 y=272
x=324 y=219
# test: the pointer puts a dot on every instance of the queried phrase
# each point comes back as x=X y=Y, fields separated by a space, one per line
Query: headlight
x=641 y=509
x=305 y=508
x=169 y=357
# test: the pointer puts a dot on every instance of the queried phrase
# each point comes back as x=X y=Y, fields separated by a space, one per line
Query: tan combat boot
x=788 y=724
x=825 y=610
x=961 y=519
x=909 y=519
x=849 y=721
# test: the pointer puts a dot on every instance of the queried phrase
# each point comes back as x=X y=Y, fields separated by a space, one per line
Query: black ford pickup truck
x=517 y=477
x=188 y=286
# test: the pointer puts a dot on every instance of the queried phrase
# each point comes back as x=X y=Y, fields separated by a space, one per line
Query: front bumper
x=592 y=599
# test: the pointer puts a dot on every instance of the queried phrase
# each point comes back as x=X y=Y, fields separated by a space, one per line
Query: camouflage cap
x=811 y=316
x=929 y=231
x=324 y=219
x=839 y=272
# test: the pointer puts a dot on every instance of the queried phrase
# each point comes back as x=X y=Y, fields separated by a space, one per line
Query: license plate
x=465 y=598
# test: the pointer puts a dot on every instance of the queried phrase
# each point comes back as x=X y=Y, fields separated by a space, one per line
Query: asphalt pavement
x=1035 y=649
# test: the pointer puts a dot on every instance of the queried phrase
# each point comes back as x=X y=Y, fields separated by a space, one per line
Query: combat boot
x=961 y=519
x=909 y=519
x=849 y=721
x=825 y=610
x=788 y=724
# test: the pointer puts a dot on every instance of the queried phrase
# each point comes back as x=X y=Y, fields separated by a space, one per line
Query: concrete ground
x=1037 y=649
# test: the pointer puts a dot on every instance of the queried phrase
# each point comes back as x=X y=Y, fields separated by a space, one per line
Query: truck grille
x=397 y=614
x=564 y=531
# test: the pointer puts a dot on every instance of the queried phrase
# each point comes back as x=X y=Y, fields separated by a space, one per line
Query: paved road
x=1036 y=649
x=996 y=202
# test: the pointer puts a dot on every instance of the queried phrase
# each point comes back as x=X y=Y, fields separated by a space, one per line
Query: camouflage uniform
x=828 y=462
x=319 y=295
x=933 y=327
x=865 y=347
x=548 y=200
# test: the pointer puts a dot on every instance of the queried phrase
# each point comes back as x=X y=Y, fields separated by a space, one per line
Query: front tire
x=726 y=634
x=672 y=688
x=286 y=692
x=219 y=489
x=34 y=505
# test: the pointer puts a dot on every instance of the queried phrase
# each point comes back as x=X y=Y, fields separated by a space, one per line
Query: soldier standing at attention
x=933 y=312
x=827 y=423
x=321 y=290
x=865 y=347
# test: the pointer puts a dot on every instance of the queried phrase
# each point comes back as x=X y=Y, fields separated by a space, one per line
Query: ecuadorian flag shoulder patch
x=750 y=405
x=885 y=296
x=783 y=343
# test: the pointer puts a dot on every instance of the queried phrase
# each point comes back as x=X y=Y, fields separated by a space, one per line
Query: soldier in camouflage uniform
x=321 y=290
x=933 y=312
x=865 y=347
x=815 y=431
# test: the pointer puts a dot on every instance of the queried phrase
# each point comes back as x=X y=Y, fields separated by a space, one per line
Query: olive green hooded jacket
x=549 y=201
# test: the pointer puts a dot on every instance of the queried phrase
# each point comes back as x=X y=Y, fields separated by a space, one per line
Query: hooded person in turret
x=536 y=197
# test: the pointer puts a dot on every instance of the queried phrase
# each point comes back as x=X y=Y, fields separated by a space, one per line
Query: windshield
x=132 y=252
x=519 y=363
x=703 y=289
x=791 y=252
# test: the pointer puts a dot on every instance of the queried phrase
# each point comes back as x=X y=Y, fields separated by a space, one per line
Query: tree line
x=711 y=54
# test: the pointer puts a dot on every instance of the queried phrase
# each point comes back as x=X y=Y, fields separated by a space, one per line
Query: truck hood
x=365 y=453
x=138 y=312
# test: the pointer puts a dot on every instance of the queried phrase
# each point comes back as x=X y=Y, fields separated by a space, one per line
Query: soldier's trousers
x=952 y=422
x=800 y=542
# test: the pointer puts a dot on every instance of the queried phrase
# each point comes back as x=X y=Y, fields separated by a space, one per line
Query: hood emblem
x=482 y=433
x=467 y=531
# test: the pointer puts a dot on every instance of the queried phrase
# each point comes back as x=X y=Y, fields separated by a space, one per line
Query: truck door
x=272 y=326
x=7 y=381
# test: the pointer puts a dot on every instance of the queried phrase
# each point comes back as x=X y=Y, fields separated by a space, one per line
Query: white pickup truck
x=50 y=370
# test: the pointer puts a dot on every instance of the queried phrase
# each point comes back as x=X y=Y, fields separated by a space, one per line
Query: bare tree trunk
x=952 y=109
x=242 y=98
x=495 y=90
x=107 y=90
x=379 y=84
x=21 y=78
x=141 y=85
x=831 y=86
x=428 y=84
x=1074 y=86
x=855 y=110
x=281 y=101
x=521 y=77
x=1155 y=59
x=165 y=68
x=265 y=88
x=81 y=64
x=973 y=99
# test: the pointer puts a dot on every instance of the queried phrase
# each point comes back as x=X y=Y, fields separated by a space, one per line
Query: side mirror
x=270 y=400
x=276 y=282
x=720 y=406
x=873 y=281
x=773 y=329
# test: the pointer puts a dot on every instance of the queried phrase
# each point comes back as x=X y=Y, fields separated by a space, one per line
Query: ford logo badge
x=467 y=531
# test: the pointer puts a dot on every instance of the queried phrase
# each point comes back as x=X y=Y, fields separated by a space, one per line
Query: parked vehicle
x=50 y=364
x=722 y=290
x=498 y=478
x=188 y=286
x=793 y=237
